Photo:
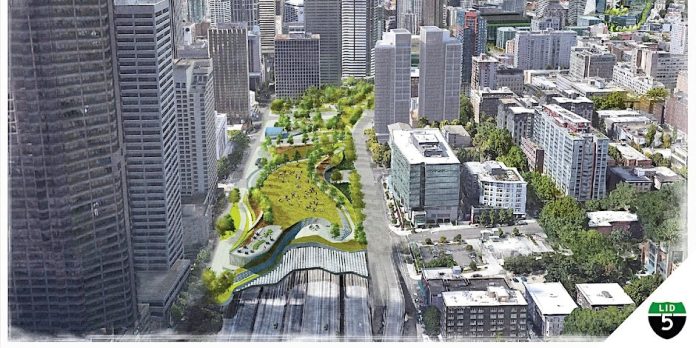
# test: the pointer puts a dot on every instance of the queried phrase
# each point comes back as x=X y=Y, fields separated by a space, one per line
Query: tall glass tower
x=71 y=266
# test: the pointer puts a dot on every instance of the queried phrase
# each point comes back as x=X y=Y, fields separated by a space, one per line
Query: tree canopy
x=603 y=322
x=640 y=288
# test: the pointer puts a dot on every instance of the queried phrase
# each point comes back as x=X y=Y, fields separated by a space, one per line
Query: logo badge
x=667 y=318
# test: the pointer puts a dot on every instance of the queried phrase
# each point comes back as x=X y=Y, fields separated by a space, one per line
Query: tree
x=277 y=105
x=428 y=241
x=590 y=322
x=234 y=195
x=335 y=231
x=466 y=111
x=431 y=321
x=501 y=233
x=473 y=266
x=291 y=140
x=640 y=288
x=443 y=239
x=650 y=135
x=224 y=224
x=666 y=140
x=562 y=215
x=296 y=156
x=492 y=141
x=623 y=197
x=614 y=100
x=516 y=232
x=615 y=153
x=514 y=158
x=458 y=238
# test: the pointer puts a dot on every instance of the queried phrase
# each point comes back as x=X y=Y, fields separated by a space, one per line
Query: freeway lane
x=385 y=292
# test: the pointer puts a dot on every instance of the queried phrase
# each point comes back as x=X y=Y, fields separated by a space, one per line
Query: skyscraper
x=440 y=67
x=229 y=50
x=297 y=63
x=195 y=108
x=679 y=35
x=197 y=10
x=246 y=11
x=409 y=15
x=220 y=11
x=483 y=72
x=151 y=143
x=433 y=13
x=358 y=36
x=392 y=80
x=323 y=17
x=267 y=25
x=71 y=266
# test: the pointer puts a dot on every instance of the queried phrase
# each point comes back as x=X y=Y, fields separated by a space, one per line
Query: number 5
x=667 y=320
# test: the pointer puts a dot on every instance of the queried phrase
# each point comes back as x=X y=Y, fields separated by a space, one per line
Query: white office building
x=483 y=72
x=624 y=76
x=664 y=67
x=679 y=38
x=392 y=80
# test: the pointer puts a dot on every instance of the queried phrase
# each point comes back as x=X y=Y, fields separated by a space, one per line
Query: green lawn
x=234 y=212
x=308 y=201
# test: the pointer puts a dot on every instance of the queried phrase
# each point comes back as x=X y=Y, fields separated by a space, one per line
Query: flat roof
x=521 y=110
x=494 y=171
x=456 y=129
x=628 y=152
x=617 y=113
x=492 y=296
x=424 y=145
x=604 y=218
x=551 y=298
x=604 y=294
x=627 y=174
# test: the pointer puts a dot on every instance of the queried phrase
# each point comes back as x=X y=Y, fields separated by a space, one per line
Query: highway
x=387 y=299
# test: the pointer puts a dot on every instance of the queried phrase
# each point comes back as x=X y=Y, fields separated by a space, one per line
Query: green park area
x=293 y=185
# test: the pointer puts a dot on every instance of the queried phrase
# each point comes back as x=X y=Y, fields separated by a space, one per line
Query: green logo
x=667 y=318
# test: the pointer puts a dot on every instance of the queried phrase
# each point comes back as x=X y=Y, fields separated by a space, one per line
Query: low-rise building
x=497 y=311
x=624 y=76
x=435 y=281
x=630 y=176
x=630 y=157
x=588 y=87
x=661 y=257
x=511 y=78
x=608 y=221
x=602 y=295
x=424 y=175
x=518 y=120
x=493 y=185
x=456 y=136
x=548 y=306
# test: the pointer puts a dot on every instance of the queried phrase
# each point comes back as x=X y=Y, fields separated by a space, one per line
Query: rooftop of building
x=565 y=116
x=156 y=286
x=399 y=126
x=604 y=294
x=487 y=91
x=297 y=36
x=136 y=2
x=605 y=218
x=628 y=174
x=492 y=296
x=484 y=58
x=423 y=145
x=593 y=85
x=618 y=113
x=521 y=110
x=455 y=129
x=494 y=171
x=564 y=100
x=551 y=298
x=628 y=152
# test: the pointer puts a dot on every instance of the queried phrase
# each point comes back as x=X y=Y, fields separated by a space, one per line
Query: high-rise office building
x=229 y=50
x=664 y=67
x=392 y=80
x=679 y=38
x=256 y=72
x=355 y=37
x=152 y=157
x=541 y=50
x=195 y=108
x=197 y=10
x=483 y=72
x=267 y=25
x=474 y=20
x=220 y=11
x=409 y=15
x=293 y=11
x=433 y=13
x=439 y=82
x=297 y=63
x=70 y=266
x=246 y=11
x=575 y=155
x=576 y=8
x=323 y=17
